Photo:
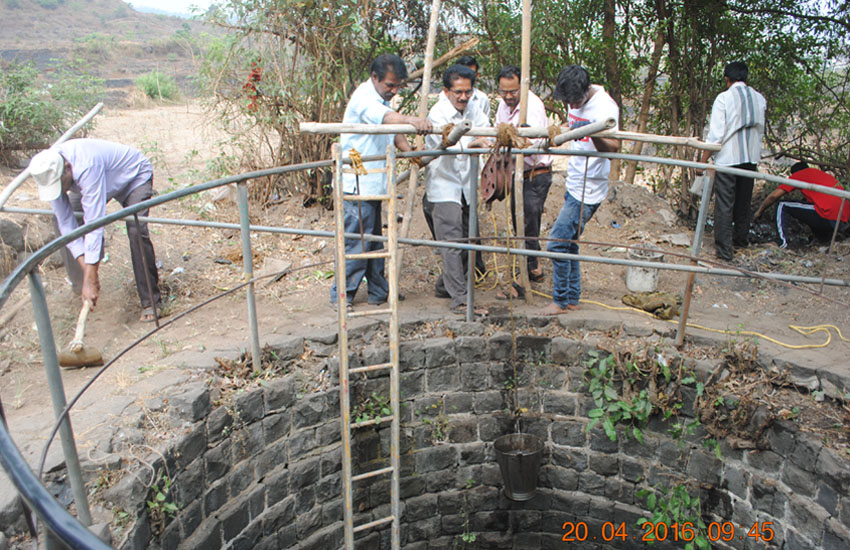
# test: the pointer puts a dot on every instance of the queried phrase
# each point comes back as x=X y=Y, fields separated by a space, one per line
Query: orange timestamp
x=657 y=532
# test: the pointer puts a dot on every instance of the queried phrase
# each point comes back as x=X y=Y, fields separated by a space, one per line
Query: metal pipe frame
x=782 y=277
x=248 y=269
x=70 y=530
x=57 y=396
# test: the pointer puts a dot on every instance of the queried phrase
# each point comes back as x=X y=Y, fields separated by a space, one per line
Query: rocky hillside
x=107 y=37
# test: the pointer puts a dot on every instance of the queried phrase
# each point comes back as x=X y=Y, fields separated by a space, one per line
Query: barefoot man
x=587 y=181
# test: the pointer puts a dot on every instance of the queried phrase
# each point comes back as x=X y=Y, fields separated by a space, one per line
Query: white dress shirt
x=450 y=177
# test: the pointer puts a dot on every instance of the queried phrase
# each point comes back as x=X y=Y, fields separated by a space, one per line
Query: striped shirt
x=737 y=123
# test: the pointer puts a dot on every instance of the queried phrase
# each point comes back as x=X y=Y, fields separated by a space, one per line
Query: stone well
x=263 y=472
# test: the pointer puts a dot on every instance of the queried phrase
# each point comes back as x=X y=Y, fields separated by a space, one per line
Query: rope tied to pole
x=357 y=163
x=554 y=130
x=508 y=137
x=447 y=129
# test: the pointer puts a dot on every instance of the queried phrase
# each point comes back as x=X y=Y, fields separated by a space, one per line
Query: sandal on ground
x=477 y=310
x=517 y=293
x=148 y=316
x=349 y=307
x=536 y=277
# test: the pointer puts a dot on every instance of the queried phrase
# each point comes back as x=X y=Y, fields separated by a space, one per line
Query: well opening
x=259 y=467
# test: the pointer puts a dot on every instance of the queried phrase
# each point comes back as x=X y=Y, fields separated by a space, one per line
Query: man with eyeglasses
x=587 y=181
x=370 y=104
x=479 y=99
x=537 y=169
x=449 y=183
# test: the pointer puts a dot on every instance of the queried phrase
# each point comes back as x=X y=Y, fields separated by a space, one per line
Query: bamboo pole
x=457 y=50
x=422 y=113
x=520 y=163
x=531 y=132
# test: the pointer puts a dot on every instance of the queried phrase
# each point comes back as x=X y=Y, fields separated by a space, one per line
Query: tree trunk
x=612 y=73
x=643 y=115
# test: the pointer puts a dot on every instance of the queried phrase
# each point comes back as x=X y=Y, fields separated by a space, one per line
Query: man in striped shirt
x=737 y=123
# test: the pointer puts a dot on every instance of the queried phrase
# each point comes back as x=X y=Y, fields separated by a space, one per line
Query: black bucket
x=519 y=457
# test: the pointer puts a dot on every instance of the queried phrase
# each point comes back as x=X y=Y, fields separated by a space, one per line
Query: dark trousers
x=134 y=234
x=732 y=197
x=427 y=211
x=806 y=213
x=449 y=221
x=534 y=195
x=372 y=269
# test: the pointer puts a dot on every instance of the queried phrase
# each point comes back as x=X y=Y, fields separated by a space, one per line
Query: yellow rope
x=805 y=331
x=357 y=163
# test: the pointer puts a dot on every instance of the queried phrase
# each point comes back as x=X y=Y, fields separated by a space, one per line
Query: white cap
x=46 y=169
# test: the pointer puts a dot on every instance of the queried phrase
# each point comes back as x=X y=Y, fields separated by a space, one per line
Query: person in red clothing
x=819 y=212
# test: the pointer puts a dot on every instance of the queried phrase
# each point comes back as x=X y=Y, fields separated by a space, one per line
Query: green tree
x=34 y=111
x=286 y=61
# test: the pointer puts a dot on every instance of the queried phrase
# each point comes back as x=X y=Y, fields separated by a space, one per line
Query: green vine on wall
x=678 y=512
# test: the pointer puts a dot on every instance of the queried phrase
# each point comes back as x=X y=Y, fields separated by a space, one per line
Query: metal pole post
x=57 y=396
x=248 y=268
x=689 y=287
x=473 y=232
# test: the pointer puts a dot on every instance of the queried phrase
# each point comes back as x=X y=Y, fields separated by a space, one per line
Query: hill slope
x=106 y=37
x=39 y=24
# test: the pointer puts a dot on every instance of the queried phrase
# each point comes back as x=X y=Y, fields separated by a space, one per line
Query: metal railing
x=67 y=528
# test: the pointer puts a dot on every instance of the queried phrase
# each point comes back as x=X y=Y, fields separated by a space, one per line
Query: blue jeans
x=372 y=269
x=566 y=274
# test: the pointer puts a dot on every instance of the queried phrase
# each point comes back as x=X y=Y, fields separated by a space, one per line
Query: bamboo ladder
x=390 y=253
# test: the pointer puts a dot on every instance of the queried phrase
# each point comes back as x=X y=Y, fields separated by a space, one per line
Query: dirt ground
x=197 y=263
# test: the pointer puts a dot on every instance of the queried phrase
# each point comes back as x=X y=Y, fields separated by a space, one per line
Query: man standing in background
x=737 y=123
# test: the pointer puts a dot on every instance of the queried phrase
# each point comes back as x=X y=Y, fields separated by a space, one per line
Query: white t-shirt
x=599 y=107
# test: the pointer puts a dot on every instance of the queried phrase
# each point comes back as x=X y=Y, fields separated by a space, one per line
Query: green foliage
x=373 y=408
x=283 y=62
x=160 y=503
x=157 y=85
x=676 y=509
x=439 y=424
x=34 y=111
x=611 y=407
x=467 y=536
x=95 y=46
x=12 y=4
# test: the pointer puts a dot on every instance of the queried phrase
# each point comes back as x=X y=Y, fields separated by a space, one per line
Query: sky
x=172 y=6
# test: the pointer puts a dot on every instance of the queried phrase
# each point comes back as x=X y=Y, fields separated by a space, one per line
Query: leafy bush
x=34 y=111
x=95 y=46
x=156 y=85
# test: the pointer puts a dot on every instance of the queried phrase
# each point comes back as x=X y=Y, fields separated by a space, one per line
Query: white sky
x=174 y=6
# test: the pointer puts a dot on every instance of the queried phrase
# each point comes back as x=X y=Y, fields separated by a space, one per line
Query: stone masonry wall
x=265 y=472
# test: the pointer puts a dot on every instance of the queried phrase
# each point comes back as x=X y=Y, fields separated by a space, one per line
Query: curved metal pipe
x=71 y=531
